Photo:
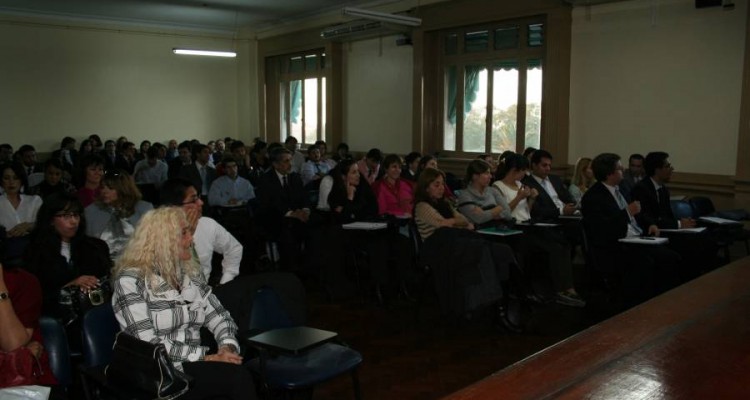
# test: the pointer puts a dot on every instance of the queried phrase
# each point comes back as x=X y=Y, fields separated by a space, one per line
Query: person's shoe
x=569 y=299
x=504 y=321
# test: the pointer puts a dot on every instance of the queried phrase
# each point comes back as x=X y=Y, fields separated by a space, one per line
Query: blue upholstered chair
x=56 y=344
x=296 y=372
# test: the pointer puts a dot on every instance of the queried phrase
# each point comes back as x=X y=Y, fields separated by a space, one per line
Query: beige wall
x=649 y=75
x=377 y=95
x=57 y=81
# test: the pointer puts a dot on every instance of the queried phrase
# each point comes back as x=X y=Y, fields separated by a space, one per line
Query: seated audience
x=583 y=178
x=298 y=159
x=395 y=195
x=369 y=165
x=282 y=209
x=183 y=160
x=125 y=159
x=219 y=148
x=67 y=154
x=62 y=256
x=109 y=155
x=699 y=249
x=554 y=199
x=151 y=170
x=481 y=204
x=20 y=309
x=642 y=270
x=469 y=272
x=146 y=274
x=29 y=160
x=244 y=162
x=230 y=189
x=314 y=169
x=199 y=173
x=96 y=143
x=172 y=151
x=411 y=165
x=17 y=210
x=115 y=214
x=6 y=153
x=85 y=149
x=53 y=181
x=92 y=170
x=548 y=241
x=142 y=153
x=342 y=152
x=634 y=174
x=323 y=147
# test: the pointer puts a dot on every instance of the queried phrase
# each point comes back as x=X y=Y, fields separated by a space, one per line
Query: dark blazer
x=274 y=202
x=191 y=173
x=110 y=163
x=544 y=208
x=655 y=210
x=363 y=207
x=627 y=184
x=603 y=219
x=125 y=164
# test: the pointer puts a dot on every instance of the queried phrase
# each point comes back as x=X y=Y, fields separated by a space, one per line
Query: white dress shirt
x=26 y=211
x=211 y=237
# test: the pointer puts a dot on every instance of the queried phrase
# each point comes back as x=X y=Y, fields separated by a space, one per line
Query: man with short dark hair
x=553 y=200
x=151 y=170
x=126 y=158
x=184 y=159
x=369 y=165
x=28 y=159
x=697 y=249
x=298 y=159
x=282 y=210
x=645 y=270
x=200 y=173
x=632 y=175
x=230 y=189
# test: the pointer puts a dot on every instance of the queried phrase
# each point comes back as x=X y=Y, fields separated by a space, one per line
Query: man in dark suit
x=184 y=158
x=554 y=199
x=125 y=159
x=109 y=154
x=632 y=175
x=643 y=270
x=698 y=249
x=281 y=207
x=200 y=173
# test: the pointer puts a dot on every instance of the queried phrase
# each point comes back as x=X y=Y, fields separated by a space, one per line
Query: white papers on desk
x=365 y=226
x=540 y=224
x=686 y=230
x=720 y=221
x=645 y=240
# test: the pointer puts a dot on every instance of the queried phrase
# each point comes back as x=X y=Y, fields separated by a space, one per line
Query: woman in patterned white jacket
x=160 y=295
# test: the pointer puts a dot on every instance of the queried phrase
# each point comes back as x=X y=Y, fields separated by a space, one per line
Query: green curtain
x=295 y=99
x=470 y=89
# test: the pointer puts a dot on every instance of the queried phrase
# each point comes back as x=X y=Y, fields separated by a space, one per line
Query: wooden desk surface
x=690 y=343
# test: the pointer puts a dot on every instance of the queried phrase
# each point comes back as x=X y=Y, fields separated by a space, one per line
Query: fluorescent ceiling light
x=379 y=16
x=210 y=53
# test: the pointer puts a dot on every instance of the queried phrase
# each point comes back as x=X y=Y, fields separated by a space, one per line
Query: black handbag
x=145 y=366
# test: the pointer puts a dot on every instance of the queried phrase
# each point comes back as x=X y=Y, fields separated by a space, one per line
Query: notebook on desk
x=365 y=226
x=645 y=240
x=499 y=231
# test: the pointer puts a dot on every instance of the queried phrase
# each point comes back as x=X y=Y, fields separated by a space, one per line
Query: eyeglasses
x=68 y=215
x=194 y=199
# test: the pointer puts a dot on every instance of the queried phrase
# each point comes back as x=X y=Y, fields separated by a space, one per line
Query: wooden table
x=690 y=343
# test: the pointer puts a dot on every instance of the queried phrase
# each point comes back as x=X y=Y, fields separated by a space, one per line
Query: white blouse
x=26 y=211
x=521 y=212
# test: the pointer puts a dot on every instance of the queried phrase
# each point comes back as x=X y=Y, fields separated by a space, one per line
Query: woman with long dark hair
x=61 y=255
x=470 y=272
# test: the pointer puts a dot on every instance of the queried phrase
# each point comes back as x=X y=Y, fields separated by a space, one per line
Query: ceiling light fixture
x=210 y=53
x=379 y=16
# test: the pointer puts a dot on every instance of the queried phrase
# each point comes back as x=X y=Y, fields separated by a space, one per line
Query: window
x=302 y=97
x=495 y=72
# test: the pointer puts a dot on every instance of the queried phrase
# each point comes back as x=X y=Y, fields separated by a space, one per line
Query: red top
x=87 y=196
x=396 y=199
x=26 y=297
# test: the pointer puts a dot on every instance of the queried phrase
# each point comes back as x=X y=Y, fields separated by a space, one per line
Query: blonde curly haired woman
x=160 y=295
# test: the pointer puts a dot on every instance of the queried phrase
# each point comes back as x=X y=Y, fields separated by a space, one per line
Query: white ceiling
x=211 y=15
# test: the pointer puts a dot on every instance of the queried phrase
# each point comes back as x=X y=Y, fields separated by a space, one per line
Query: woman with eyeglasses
x=61 y=255
x=161 y=296
x=115 y=214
